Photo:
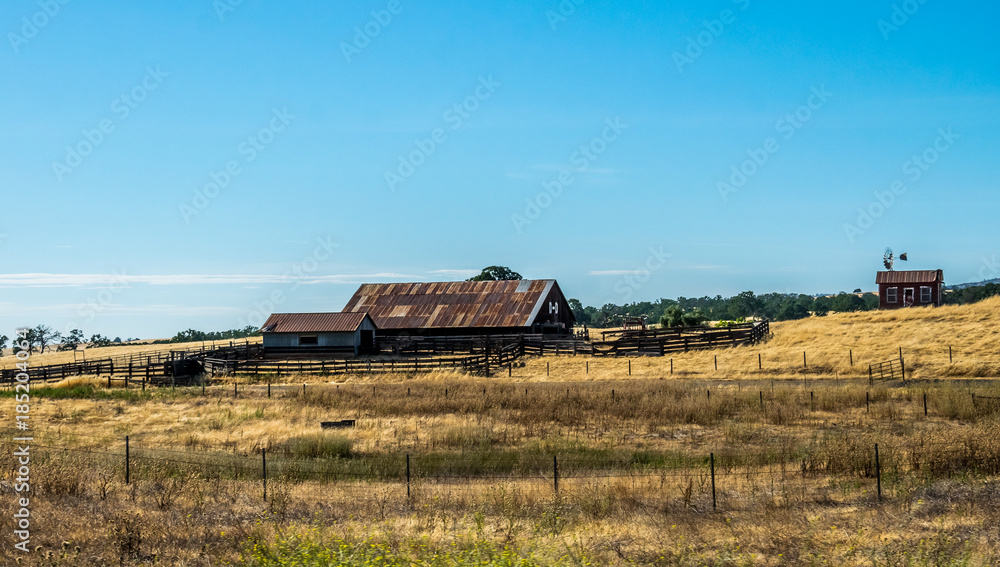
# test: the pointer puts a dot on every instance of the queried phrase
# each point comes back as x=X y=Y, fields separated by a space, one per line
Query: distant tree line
x=43 y=338
x=971 y=294
x=685 y=311
x=192 y=335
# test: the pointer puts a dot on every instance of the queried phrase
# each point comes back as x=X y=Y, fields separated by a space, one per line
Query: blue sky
x=168 y=165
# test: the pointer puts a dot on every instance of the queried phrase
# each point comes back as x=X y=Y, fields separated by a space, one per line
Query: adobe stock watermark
x=989 y=269
x=295 y=275
x=713 y=30
x=364 y=35
x=900 y=16
x=562 y=12
x=33 y=24
x=453 y=118
x=121 y=107
x=582 y=158
x=913 y=169
x=786 y=126
x=248 y=150
x=633 y=282
x=95 y=305
x=225 y=7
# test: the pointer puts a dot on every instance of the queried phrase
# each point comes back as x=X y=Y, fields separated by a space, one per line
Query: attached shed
x=465 y=308
x=319 y=333
x=909 y=288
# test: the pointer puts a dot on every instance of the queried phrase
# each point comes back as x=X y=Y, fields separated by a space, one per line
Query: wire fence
x=725 y=481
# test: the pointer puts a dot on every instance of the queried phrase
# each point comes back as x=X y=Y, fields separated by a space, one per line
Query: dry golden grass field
x=792 y=444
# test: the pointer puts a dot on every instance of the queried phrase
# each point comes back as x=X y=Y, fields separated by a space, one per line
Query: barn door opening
x=367 y=342
x=908 y=297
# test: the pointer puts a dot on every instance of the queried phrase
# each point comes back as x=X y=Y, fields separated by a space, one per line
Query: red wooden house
x=910 y=288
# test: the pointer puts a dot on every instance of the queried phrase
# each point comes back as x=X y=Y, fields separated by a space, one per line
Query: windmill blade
x=887 y=259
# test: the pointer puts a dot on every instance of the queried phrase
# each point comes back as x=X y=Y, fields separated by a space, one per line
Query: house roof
x=909 y=276
x=435 y=305
x=314 y=322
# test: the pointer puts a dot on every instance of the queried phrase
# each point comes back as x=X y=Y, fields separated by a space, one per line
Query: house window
x=891 y=295
x=308 y=340
x=925 y=294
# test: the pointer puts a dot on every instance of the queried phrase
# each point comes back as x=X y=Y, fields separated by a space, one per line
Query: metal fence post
x=711 y=462
x=555 y=472
x=878 y=473
x=127 y=468
x=263 y=457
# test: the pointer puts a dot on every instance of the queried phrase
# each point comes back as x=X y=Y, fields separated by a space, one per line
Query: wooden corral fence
x=557 y=347
x=151 y=367
x=217 y=367
x=466 y=344
x=662 y=341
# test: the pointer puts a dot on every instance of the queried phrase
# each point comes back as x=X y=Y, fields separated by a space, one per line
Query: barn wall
x=555 y=309
x=324 y=339
x=936 y=291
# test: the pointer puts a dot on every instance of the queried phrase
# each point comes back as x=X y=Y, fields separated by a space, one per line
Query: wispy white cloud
x=455 y=273
x=612 y=272
x=560 y=167
x=71 y=309
x=85 y=280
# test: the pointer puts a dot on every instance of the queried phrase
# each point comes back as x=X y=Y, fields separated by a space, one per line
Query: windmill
x=889 y=259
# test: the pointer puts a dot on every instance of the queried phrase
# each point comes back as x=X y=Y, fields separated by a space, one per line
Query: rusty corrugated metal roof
x=314 y=322
x=507 y=303
x=909 y=276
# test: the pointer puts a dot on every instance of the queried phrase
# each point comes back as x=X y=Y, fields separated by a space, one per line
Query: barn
x=319 y=333
x=465 y=308
x=909 y=288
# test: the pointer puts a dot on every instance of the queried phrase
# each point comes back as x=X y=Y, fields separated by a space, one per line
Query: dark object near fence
x=186 y=367
x=338 y=424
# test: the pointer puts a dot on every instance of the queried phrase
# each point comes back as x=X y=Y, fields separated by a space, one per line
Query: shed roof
x=314 y=322
x=909 y=276
x=429 y=305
